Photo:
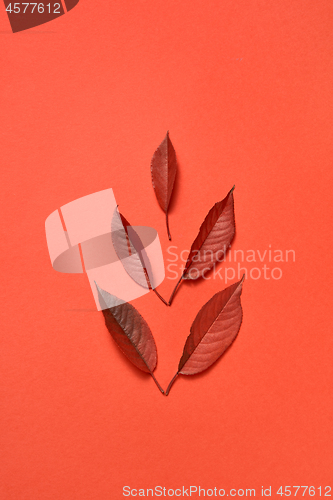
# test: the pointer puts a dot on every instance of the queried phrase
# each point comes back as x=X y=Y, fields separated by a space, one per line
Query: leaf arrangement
x=217 y=324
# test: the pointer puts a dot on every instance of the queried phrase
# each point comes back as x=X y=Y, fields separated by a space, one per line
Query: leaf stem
x=174 y=290
x=167 y=225
x=171 y=384
x=158 y=385
x=160 y=297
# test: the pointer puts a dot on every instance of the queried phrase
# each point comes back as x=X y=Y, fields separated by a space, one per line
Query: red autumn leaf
x=163 y=173
x=122 y=235
x=130 y=332
x=214 y=329
x=131 y=252
x=215 y=235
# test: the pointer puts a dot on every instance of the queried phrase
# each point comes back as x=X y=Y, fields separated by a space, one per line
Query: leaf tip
x=101 y=296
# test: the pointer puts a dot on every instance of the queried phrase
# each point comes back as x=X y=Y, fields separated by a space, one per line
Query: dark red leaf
x=130 y=332
x=215 y=235
x=163 y=172
x=127 y=243
x=209 y=247
x=214 y=329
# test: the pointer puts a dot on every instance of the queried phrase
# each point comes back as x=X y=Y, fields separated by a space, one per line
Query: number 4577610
x=30 y=8
x=304 y=490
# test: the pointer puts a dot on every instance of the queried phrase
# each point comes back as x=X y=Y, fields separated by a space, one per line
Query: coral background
x=245 y=88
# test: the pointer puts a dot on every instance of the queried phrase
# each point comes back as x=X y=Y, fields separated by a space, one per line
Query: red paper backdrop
x=245 y=88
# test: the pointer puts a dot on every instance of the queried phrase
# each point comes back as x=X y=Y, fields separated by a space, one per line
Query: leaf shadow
x=81 y=310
